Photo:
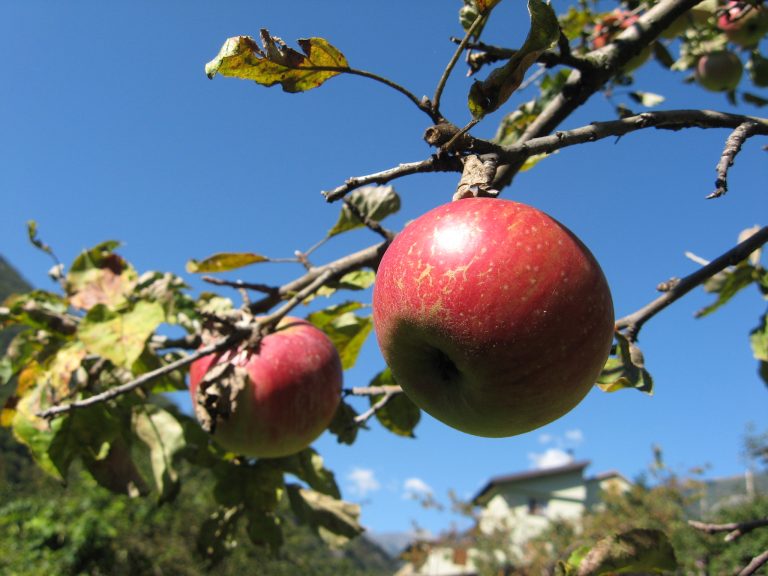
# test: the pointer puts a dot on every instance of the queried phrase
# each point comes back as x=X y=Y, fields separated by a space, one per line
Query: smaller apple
x=744 y=24
x=289 y=389
x=719 y=71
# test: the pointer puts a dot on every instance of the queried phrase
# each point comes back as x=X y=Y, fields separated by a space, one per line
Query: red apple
x=292 y=391
x=743 y=24
x=494 y=318
x=719 y=71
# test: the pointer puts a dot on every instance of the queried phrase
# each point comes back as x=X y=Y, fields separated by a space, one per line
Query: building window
x=460 y=556
x=537 y=507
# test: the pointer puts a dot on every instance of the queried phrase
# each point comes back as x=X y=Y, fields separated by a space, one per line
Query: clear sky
x=110 y=130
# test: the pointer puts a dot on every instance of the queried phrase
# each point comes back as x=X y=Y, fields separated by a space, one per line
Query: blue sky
x=110 y=129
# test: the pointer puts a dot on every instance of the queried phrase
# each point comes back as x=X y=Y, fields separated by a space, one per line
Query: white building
x=518 y=506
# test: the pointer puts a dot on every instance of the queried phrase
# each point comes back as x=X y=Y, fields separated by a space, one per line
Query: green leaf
x=308 y=466
x=264 y=529
x=662 y=55
x=99 y=276
x=625 y=368
x=164 y=436
x=348 y=333
x=488 y=95
x=343 y=424
x=357 y=280
x=727 y=284
x=224 y=262
x=39 y=310
x=120 y=337
x=574 y=22
x=467 y=16
x=399 y=415
x=276 y=63
x=647 y=99
x=218 y=534
x=639 y=550
x=335 y=521
x=39 y=244
x=758 y=340
x=373 y=202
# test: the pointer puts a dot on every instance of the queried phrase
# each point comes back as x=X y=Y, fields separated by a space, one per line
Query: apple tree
x=86 y=376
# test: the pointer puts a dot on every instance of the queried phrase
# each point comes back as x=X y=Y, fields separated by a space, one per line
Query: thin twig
x=452 y=63
x=734 y=529
x=145 y=378
x=372 y=390
x=431 y=164
x=240 y=284
x=460 y=133
x=632 y=323
x=424 y=107
x=389 y=393
x=732 y=148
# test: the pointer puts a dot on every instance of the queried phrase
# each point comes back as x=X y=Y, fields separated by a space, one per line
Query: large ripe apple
x=494 y=318
x=719 y=71
x=292 y=391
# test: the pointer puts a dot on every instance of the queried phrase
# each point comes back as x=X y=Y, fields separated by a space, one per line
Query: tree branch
x=239 y=284
x=581 y=85
x=732 y=148
x=667 y=120
x=389 y=393
x=734 y=529
x=755 y=564
x=632 y=323
x=452 y=63
x=423 y=106
x=431 y=164
x=145 y=378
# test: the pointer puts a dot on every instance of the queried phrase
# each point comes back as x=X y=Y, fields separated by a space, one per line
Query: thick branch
x=668 y=120
x=734 y=529
x=631 y=324
x=580 y=86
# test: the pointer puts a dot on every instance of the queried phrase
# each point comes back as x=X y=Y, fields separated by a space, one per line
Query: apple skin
x=719 y=71
x=743 y=25
x=294 y=388
x=493 y=317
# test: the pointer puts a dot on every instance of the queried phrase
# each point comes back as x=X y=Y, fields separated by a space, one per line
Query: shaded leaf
x=373 y=202
x=335 y=521
x=662 y=55
x=488 y=95
x=224 y=261
x=99 y=276
x=218 y=534
x=754 y=99
x=647 y=99
x=727 y=284
x=309 y=467
x=399 y=415
x=120 y=337
x=116 y=470
x=164 y=436
x=39 y=310
x=343 y=424
x=276 y=63
x=625 y=368
x=639 y=550
x=264 y=529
